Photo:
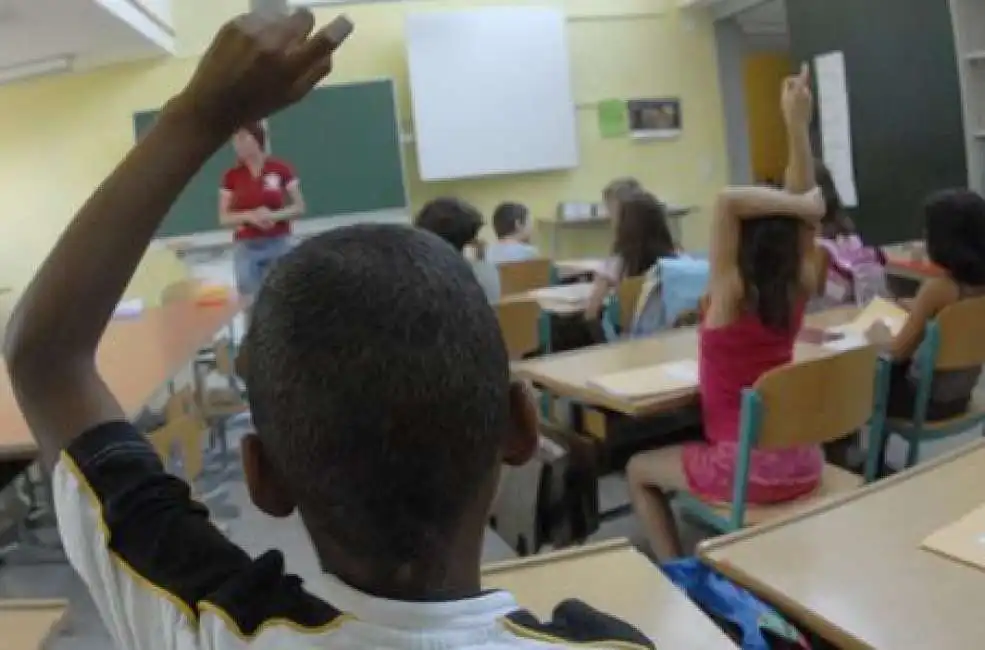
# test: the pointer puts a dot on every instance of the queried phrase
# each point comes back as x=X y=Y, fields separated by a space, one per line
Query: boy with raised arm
x=380 y=391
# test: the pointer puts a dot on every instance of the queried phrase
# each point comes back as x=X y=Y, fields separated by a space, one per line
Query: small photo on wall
x=655 y=118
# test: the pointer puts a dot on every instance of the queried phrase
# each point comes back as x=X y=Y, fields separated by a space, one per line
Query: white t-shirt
x=164 y=578
x=503 y=252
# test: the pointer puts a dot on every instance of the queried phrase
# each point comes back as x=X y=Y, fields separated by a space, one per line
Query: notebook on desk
x=963 y=540
x=879 y=309
x=649 y=381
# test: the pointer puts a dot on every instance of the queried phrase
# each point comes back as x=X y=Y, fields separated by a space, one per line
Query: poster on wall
x=658 y=118
x=836 y=124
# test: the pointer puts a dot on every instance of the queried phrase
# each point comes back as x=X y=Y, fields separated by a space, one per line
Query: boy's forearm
x=287 y=214
x=65 y=309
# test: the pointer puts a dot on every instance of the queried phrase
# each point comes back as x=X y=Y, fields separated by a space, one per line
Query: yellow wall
x=763 y=74
x=60 y=135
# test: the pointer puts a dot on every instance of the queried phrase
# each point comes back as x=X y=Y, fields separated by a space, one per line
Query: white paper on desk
x=650 y=381
x=564 y=293
x=129 y=308
x=850 y=341
x=836 y=125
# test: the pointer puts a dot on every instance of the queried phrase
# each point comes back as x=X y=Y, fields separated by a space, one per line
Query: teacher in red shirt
x=259 y=198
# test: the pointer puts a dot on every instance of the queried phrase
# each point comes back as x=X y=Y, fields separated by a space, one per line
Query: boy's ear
x=267 y=491
x=521 y=439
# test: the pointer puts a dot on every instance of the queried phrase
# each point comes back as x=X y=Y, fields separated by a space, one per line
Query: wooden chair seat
x=834 y=481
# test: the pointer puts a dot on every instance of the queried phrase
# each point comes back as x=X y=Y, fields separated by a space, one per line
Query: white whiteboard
x=491 y=92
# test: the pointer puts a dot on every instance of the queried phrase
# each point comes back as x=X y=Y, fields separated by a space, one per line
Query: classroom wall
x=59 y=136
x=762 y=74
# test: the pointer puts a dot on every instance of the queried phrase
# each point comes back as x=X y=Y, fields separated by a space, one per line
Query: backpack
x=856 y=272
x=673 y=286
x=745 y=619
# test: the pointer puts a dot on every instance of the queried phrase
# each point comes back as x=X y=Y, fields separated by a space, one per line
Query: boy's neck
x=454 y=577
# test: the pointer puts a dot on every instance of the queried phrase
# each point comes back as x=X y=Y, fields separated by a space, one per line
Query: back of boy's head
x=379 y=386
x=509 y=218
x=955 y=229
x=454 y=220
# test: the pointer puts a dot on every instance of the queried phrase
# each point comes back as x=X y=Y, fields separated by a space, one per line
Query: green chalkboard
x=197 y=209
x=342 y=140
x=904 y=99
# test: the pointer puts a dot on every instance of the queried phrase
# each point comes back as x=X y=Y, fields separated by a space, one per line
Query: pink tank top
x=733 y=358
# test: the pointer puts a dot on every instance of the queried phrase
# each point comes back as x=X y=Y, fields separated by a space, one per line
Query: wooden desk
x=136 y=358
x=572 y=268
x=568 y=374
x=30 y=624
x=562 y=300
x=853 y=570
x=908 y=260
x=613 y=578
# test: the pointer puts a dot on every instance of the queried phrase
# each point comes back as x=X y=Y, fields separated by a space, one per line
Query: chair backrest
x=519 y=321
x=628 y=294
x=520 y=277
x=182 y=290
x=962 y=344
x=816 y=401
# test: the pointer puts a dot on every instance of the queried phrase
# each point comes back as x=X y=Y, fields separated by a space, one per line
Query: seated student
x=459 y=223
x=511 y=223
x=762 y=274
x=954 y=222
x=380 y=390
x=642 y=237
x=852 y=272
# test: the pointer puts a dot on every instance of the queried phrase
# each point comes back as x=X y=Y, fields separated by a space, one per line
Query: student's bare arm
x=55 y=329
x=254 y=67
x=933 y=296
x=797 y=105
x=295 y=208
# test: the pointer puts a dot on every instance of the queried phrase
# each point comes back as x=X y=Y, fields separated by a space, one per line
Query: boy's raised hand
x=796 y=99
x=258 y=65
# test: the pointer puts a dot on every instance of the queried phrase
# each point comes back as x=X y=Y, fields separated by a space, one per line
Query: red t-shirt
x=268 y=190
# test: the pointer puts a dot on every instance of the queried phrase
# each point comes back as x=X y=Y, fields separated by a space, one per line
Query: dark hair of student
x=770 y=268
x=642 y=233
x=509 y=218
x=454 y=220
x=835 y=221
x=955 y=231
x=379 y=387
x=621 y=188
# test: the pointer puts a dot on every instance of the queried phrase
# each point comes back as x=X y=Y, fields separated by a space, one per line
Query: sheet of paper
x=879 y=309
x=850 y=341
x=835 y=121
x=650 y=381
x=963 y=540
x=567 y=293
x=613 y=118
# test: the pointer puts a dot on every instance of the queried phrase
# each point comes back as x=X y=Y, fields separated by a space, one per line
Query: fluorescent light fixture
x=38 y=68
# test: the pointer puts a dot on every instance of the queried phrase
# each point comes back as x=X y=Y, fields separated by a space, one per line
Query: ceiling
x=766 y=24
x=90 y=32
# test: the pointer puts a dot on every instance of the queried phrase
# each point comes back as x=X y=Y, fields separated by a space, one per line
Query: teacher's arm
x=295 y=206
x=229 y=218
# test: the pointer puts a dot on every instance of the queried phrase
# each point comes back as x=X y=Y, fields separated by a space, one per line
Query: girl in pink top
x=762 y=275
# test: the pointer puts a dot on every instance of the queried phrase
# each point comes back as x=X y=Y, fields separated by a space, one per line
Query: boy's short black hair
x=454 y=220
x=379 y=386
x=955 y=230
x=509 y=218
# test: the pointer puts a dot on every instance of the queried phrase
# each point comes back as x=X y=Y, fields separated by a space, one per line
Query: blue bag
x=754 y=624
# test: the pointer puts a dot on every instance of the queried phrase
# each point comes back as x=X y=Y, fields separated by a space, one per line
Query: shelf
x=980 y=135
x=978 y=56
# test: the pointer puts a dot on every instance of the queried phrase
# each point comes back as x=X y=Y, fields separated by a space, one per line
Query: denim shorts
x=253 y=258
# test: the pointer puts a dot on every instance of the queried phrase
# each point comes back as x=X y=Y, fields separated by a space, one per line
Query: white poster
x=836 y=124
